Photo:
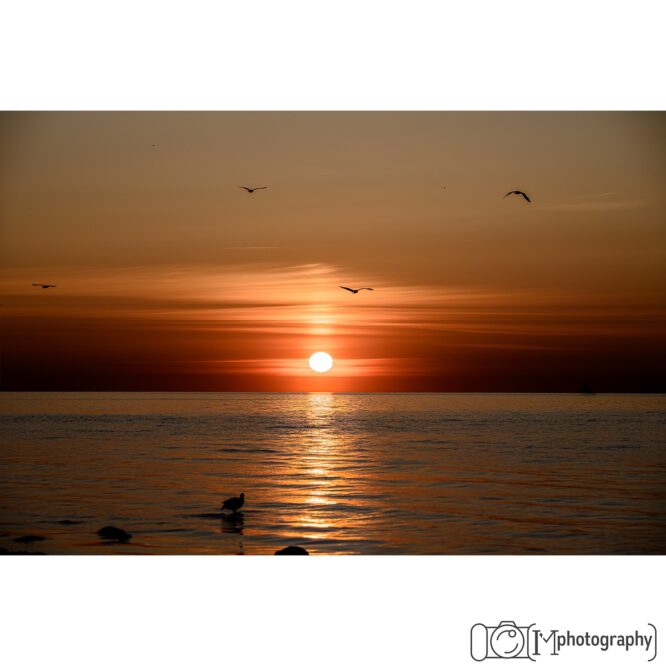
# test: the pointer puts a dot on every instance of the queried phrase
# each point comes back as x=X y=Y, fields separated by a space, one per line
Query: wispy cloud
x=603 y=201
x=299 y=304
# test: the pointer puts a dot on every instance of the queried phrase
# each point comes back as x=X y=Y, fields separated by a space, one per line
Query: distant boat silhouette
x=355 y=291
x=43 y=286
x=252 y=189
x=518 y=193
x=29 y=538
x=111 y=533
x=234 y=503
x=292 y=550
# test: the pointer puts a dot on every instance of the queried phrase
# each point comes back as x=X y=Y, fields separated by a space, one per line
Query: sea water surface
x=335 y=473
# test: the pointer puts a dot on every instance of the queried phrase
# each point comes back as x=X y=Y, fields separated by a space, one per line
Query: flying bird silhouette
x=234 y=503
x=252 y=189
x=355 y=291
x=43 y=286
x=520 y=194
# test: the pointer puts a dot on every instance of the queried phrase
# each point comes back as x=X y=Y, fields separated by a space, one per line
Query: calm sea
x=336 y=473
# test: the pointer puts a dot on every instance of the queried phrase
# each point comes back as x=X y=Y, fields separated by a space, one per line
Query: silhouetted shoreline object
x=252 y=189
x=292 y=550
x=355 y=291
x=43 y=286
x=111 y=533
x=520 y=194
x=234 y=503
x=29 y=538
x=586 y=389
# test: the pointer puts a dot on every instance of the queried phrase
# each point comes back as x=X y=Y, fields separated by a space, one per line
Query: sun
x=321 y=362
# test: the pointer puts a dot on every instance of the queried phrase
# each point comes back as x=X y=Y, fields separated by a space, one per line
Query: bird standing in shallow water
x=234 y=503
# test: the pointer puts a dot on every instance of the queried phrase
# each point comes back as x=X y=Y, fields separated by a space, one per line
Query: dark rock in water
x=292 y=550
x=111 y=533
x=68 y=522
x=29 y=538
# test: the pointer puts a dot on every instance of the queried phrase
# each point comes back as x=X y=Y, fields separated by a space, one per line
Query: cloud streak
x=603 y=202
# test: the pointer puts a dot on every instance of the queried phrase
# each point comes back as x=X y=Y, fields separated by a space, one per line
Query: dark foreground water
x=336 y=473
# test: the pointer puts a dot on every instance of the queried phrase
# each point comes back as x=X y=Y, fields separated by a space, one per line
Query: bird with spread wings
x=355 y=291
x=252 y=189
x=520 y=194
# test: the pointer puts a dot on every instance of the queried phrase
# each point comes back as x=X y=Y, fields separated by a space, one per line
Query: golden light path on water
x=318 y=455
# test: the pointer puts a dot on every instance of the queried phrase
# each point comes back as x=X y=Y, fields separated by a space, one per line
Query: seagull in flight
x=520 y=194
x=355 y=291
x=252 y=189
x=43 y=286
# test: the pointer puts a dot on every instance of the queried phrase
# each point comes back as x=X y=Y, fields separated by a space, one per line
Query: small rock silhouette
x=292 y=550
x=29 y=538
x=111 y=533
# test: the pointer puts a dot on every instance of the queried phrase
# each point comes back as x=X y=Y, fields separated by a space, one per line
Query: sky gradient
x=171 y=277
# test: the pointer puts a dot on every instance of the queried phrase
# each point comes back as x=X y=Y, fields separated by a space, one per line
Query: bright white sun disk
x=321 y=362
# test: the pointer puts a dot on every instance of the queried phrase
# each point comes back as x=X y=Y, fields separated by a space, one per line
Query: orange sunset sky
x=171 y=277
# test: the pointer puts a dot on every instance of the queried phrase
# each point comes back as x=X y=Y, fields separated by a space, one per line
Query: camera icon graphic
x=505 y=641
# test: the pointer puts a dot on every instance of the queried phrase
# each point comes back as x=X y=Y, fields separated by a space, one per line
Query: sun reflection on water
x=321 y=451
